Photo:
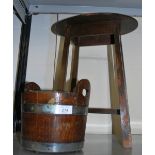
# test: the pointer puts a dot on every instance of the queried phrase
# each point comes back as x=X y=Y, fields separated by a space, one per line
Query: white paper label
x=61 y=109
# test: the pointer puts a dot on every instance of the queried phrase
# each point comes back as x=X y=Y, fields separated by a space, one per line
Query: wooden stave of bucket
x=68 y=129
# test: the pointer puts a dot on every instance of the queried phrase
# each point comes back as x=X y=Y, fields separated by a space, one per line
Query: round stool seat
x=95 y=23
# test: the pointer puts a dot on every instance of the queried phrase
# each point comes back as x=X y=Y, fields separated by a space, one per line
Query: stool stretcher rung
x=104 y=111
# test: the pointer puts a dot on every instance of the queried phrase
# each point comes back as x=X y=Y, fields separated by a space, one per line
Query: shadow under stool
x=98 y=29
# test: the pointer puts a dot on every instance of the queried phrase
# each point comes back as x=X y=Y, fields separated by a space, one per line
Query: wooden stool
x=98 y=29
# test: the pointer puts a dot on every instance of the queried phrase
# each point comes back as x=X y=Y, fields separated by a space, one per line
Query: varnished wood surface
x=74 y=67
x=61 y=68
x=118 y=91
x=104 y=111
x=81 y=98
x=44 y=96
x=93 y=40
x=85 y=24
x=55 y=128
x=31 y=86
x=114 y=96
x=122 y=92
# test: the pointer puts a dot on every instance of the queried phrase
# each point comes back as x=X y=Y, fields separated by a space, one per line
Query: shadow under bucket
x=54 y=121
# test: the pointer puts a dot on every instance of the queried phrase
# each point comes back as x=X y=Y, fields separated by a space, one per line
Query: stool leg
x=62 y=61
x=121 y=124
x=114 y=97
x=74 y=67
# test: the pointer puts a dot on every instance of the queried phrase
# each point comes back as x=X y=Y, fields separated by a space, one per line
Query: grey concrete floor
x=95 y=144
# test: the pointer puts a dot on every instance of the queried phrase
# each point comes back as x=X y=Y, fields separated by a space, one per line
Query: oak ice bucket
x=55 y=121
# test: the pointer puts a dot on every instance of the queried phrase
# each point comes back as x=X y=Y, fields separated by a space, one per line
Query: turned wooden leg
x=74 y=67
x=120 y=123
x=62 y=61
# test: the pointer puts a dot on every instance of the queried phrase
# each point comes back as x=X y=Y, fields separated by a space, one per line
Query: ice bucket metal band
x=52 y=147
x=54 y=109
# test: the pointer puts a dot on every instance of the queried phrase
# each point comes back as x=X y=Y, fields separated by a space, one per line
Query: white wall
x=92 y=65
